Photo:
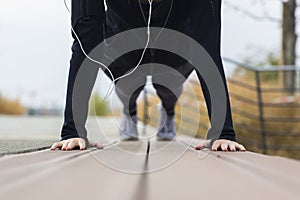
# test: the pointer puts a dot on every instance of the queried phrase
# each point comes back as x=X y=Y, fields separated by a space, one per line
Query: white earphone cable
x=142 y=56
x=82 y=48
x=100 y=63
x=147 y=43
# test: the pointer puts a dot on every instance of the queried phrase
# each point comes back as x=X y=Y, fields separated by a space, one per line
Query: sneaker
x=128 y=128
x=166 y=129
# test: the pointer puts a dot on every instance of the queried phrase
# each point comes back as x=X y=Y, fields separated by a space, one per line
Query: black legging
x=200 y=20
x=125 y=15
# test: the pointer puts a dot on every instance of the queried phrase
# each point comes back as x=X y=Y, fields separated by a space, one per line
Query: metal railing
x=252 y=103
x=270 y=95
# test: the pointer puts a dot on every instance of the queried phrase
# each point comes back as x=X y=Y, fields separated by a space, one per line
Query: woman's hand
x=224 y=145
x=73 y=143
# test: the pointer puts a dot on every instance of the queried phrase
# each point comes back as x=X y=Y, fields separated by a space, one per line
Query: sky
x=35 y=45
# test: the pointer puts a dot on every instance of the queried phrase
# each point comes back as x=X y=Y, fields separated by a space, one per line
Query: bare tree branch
x=264 y=17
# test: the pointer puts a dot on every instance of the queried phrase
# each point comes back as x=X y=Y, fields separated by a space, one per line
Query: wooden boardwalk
x=97 y=174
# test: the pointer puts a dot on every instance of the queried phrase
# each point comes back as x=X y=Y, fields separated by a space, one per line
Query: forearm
x=87 y=22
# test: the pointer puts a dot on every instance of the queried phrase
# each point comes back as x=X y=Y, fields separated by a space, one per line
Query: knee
x=130 y=88
x=168 y=93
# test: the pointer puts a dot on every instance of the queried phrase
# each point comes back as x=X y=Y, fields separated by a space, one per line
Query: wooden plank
x=81 y=175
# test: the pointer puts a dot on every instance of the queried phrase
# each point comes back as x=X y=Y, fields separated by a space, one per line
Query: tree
x=289 y=39
x=289 y=36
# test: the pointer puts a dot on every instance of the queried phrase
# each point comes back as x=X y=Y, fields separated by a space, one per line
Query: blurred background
x=259 y=47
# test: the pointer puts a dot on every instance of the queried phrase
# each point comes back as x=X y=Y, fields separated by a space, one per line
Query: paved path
x=23 y=134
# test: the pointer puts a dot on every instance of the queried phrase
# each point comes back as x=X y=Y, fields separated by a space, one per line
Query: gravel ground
x=13 y=146
x=20 y=134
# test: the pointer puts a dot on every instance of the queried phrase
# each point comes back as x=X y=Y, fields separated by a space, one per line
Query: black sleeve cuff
x=224 y=136
x=66 y=136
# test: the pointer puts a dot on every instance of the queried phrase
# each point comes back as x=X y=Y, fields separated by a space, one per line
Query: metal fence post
x=145 y=114
x=261 y=111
